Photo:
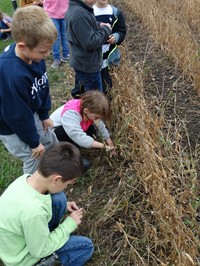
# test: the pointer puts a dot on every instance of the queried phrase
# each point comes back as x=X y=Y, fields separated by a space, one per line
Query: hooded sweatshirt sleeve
x=71 y=123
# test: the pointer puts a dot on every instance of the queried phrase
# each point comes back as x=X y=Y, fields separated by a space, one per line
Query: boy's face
x=41 y=51
x=102 y=2
x=90 y=2
x=58 y=186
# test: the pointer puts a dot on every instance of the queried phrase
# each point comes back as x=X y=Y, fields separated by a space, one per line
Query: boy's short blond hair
x=32 y=25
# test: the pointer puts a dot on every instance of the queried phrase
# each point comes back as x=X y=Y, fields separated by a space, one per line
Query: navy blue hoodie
x=24 y=90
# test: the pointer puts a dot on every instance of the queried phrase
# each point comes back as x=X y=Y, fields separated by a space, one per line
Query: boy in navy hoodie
x=25 y=127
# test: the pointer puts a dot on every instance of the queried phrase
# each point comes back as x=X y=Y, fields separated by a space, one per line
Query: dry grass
x=142 y=205
x=173 y=23
x=148 y=217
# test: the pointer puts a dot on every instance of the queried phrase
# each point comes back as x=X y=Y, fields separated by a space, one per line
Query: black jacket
x=85 y=37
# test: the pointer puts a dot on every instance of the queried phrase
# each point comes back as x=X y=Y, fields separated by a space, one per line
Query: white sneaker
x=65 y=59
x=56 y=64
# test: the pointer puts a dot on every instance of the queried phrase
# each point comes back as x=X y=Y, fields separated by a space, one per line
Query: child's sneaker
x=86 y=164
x=8 y=38
x=56 y=64
x=65 y=59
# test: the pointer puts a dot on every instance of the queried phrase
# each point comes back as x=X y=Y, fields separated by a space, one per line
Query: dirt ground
x=167 y=91
x=164 y=84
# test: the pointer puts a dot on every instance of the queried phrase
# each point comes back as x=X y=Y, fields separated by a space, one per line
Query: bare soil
x=164 y=84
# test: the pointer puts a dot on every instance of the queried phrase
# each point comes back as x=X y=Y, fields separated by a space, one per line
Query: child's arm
x=42 y=242
x=6 y=30
x=89 y=38
x=71 y=124
x=100 y=145
x=119 y=29
x=105 y=135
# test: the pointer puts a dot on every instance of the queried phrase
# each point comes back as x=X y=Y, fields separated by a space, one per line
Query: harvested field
x=142 y=206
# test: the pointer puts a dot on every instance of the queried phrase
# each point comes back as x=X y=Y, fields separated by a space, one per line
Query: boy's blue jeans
x=78 y=249
x=60 y=25
x=86 y=81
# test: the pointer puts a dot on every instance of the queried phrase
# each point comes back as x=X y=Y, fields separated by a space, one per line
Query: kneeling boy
x=31 y=210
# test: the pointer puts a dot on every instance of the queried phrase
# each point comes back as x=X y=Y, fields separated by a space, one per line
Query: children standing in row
x=25 y=127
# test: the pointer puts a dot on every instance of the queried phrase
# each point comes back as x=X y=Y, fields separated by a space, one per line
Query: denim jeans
x=60 y=25
x=78 y=249
x=86 y=81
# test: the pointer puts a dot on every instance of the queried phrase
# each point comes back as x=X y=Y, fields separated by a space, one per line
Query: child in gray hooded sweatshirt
x=74 y=121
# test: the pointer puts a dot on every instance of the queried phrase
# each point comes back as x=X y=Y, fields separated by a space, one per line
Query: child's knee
x=59 y=199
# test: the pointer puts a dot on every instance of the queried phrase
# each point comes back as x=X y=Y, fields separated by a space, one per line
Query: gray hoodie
x=85 y=37
x=71 y=120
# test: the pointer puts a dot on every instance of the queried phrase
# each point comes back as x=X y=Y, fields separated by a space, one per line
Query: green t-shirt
x=24 y=217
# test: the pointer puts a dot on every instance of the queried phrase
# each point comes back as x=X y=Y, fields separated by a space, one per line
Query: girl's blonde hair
x=96 y=102
x=32 y=25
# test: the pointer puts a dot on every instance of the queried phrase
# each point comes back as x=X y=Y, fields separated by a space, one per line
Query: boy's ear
x=21 y=45
x=56 y=178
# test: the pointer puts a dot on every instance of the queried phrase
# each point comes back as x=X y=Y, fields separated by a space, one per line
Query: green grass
x=10 y=168
x=6 y=7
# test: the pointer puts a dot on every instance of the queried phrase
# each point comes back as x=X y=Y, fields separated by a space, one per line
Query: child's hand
x=110 y=147
x=71 y=206
x=109 y=142
x=36 y=152
x=77 y=216
x=47 y=123
x=105 y=24
x=111 y=39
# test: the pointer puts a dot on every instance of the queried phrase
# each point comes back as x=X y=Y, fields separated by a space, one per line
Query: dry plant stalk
x=145 y=209
x=171 y=23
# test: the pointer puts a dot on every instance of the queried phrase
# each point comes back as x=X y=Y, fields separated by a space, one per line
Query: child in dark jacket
x=25 y=127
x=86 y=38
x=107 y=13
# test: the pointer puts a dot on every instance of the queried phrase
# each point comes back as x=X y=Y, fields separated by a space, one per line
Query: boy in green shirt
x=31 y=210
